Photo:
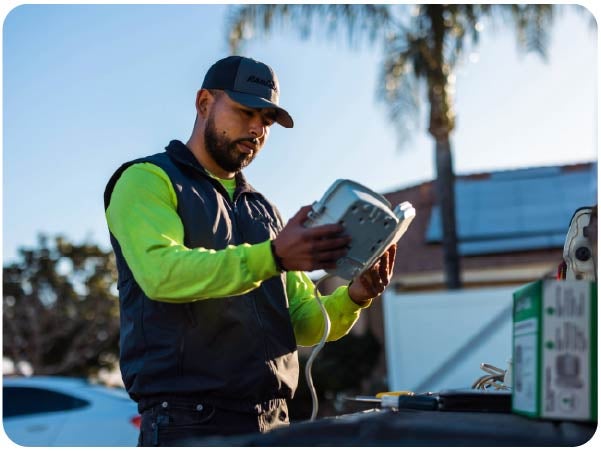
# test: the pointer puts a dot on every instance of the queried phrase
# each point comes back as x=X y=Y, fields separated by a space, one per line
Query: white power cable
x=495 y=378
x=322 y=342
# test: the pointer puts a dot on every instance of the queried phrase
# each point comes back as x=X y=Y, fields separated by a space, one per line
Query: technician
x=213 y=299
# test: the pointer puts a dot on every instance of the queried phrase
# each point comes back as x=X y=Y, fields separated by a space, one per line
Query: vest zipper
x=256 y=310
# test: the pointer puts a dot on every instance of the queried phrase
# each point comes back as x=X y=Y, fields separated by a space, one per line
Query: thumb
x=301 y=216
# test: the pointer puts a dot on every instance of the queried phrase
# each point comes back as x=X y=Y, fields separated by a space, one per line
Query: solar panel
x=517 y=210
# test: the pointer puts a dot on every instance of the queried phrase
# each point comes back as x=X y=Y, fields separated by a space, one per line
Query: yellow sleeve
x=142 y=216
x=306 y=316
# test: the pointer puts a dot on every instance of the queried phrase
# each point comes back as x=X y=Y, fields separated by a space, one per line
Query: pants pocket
x=176 y=416
x=176 y=425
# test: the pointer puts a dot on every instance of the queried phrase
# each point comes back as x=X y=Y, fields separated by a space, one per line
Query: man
x=213 y=299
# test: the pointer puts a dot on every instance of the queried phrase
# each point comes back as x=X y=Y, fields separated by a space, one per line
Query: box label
x=565 y=350
x=524 y=365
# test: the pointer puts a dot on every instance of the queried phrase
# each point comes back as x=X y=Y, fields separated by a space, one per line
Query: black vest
x=237 y=351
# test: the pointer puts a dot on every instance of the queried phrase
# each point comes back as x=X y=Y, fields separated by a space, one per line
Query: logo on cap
x=269 y=83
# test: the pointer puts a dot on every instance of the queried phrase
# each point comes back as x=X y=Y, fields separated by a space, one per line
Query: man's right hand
x=305 y=249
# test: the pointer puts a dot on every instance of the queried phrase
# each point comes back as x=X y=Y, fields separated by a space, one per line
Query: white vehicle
x=64 y=411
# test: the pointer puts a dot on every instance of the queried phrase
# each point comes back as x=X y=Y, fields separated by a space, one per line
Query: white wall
x=425 y=333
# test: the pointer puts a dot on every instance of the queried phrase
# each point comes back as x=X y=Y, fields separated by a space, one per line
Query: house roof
x=504 y=218
x=517 y=210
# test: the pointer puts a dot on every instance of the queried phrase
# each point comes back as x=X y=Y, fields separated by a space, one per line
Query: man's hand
x=302 y=248
x=373 y=281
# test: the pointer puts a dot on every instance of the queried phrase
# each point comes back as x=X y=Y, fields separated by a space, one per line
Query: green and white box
x=555 y=350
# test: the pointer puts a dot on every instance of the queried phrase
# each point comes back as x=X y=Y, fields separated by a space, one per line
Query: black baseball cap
x=249 y=82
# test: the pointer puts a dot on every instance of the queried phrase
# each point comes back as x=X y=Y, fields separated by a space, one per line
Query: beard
x=225 y=151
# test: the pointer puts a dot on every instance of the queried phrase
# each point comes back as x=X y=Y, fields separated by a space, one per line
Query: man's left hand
x=373 y=281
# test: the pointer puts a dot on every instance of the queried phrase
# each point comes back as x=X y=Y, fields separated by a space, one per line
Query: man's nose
x=257 y=128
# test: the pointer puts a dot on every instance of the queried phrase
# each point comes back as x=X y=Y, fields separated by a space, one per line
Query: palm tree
x=422 y=45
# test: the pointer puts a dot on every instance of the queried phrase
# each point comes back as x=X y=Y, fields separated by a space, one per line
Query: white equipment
x=367 y=218
x=578 y=252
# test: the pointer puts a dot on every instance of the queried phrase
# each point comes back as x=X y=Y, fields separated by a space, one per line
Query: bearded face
x=224 y=151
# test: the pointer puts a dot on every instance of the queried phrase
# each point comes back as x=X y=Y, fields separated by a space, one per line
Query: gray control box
x=367 y=217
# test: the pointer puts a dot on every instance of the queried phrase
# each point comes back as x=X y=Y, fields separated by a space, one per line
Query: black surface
x=475 y=401
x=420 y=428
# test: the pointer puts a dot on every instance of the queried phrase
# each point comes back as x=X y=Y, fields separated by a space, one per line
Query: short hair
x=216 y=92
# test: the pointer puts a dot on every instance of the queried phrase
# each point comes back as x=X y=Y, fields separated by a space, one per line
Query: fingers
x=325 y=245
x=377 y=278
x=324 y=231
x=301 y=215
x=310 y=248
x=329 y=256
x=383 y=268
x=391 y=256
x=387 y=264
x=331 y=243
x=372 y=282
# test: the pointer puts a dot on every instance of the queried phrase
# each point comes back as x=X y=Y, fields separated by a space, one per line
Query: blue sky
x=86 y=88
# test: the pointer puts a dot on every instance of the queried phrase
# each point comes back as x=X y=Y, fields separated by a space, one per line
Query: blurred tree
x=422 y=45
x=60 y=308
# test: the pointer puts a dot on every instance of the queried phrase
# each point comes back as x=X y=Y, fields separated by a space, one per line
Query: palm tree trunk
x=441 y=124
x=445 y=192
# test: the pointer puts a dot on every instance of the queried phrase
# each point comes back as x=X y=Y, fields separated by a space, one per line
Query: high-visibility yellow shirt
x=142 y=216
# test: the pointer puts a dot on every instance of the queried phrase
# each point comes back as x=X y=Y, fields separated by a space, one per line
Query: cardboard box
x=555 y=350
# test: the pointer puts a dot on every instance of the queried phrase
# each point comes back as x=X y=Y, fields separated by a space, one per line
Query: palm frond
x=368 y=22
x=421 y=49
x=464 y=23
x=532 y=25
x=399 y=83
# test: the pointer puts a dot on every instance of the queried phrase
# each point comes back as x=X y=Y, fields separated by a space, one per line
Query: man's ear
x=204 y=99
